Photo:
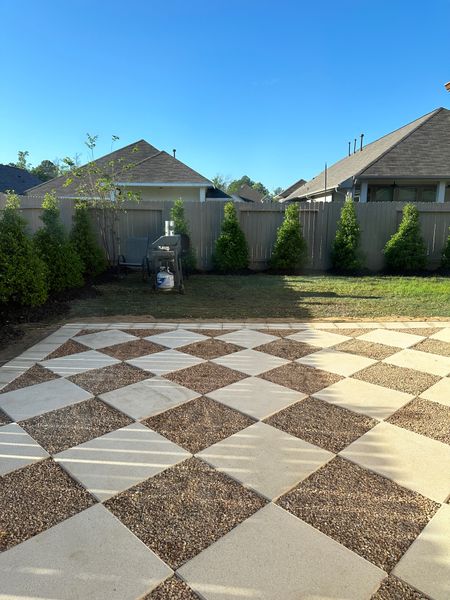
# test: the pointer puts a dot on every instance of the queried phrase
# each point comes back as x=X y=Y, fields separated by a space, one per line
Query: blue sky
x=271 y=89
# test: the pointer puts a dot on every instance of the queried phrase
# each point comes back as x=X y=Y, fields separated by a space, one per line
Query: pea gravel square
x=393 y=588
x=205 y=377
x=100 y=381
x=198 y=423
x=66 y=427
x=397 y=378
x=133 y=349
x=184 y=509
x=434 y=347
x=367 y=513
x=142 y=333
x=172 y=589
x=431 y=419
x=210 y=332
x=4 y=419
x=301 y=378
x=35 y=498
x=350 y=332
x=367 y=349
x=282 y=333
x=88 y=331
x=209 y=349
x=66 y=349
x=323 y=424
x=34 y=375
x=289 y=349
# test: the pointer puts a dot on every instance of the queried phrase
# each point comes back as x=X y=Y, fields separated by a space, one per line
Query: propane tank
x=164 y=280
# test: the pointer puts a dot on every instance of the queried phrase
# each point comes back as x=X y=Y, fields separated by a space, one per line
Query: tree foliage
x=406 y=250
x=85 y=243
x=181 y=227
x=46 y=170
x=23 y=275
x=345 y=253
x=289 y=251
x=446 y=253
x=65 y=267
x=231 y=249
x=233 y=187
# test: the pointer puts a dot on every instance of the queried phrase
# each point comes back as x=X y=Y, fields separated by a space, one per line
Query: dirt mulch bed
x=4 y=419
x=427 y=418
x=209 y=349
x=371 y=515
x=301 y=378
x=397 y=378
x=323 y=424
x=183 y=510
x=172 y=589
x=68 y=348
x=198 y=423
x=396 y=589
x=434 y=347
x=133 y=349
x=66 y=427
x=205 y=377
x=88 y=332
x=368 y=349
x=289 y=349
x=142 y=333
x=36 y=374
x=100 y=381
x=35 y=498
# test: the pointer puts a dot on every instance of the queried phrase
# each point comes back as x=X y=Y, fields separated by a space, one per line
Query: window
x=407 y=194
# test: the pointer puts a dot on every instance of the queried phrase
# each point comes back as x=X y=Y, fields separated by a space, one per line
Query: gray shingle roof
x=404 y=152
x=249 y=194
x=288 y=191
x=15 y=179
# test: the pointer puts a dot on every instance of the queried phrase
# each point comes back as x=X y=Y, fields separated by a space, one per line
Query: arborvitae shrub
x=23 y=275
x=181 y=227
x=446 y=253
x=83 y=240
x=345 y=253
x=65 y=267
x=290 y=250
x=406 y=250
x=231 y=250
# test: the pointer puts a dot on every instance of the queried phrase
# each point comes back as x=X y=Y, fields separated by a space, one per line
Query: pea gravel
x=172 y=589
x=35 y=498
x=368 y=349
x=100 y=381
x=142 y=333
x=289 y=349
x=280 y=332
x=349 y=332
x=211 y=332
x=397 y=378
x=69 y=347
x=425 y=331
x=427 y=418
x=209 y=349
x=67 y=427
x=36 y=374
x=199 y=423
x=323 y=424
x=205 y=377
x=88 y=331
x=181 y=511
x=132 y=349
x=393 y=588
x=4 y=419
x=371 y=515
x=433 y=346
x=301 y=378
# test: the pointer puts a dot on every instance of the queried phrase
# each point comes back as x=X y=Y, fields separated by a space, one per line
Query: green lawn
x=262 y=296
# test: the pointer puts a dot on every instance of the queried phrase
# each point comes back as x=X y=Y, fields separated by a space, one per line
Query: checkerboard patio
x=221 y=461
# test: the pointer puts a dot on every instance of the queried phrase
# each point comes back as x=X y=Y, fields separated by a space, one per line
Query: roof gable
x=249 y=193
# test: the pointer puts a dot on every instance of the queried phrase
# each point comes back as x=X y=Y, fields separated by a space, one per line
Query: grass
x=262 y=296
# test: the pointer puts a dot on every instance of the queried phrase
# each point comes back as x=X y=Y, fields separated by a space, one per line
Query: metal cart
x=165 y=252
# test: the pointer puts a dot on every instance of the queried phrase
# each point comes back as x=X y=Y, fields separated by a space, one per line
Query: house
x=248 y=194
x=142 y=168
x=281 y=197
x=409 y=164
x=16 y=180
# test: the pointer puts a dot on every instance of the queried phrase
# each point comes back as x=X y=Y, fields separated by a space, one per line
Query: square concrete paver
x=17 y=448
x=443 y=335
x=337 y=362
x=248 y=338
x=90 y=555
x=161 y=363
x=273 y=556
x=421 y=361
x=363 y=397
x=414 y=461
x=176 y=338
x=250 y=362
x=392 y=338
x=79 y=363
x=148 y=397
x=106 y=338
x=265 y=459
x=426 y=564
x=37 y=399
x=115 y=461
x=319 y=338
x=256 y=397
x=439 y=392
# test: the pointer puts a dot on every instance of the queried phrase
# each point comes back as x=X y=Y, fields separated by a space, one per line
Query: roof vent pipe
x=349 y=148
x=174 y=152
x=361 y=144
x=354 y=146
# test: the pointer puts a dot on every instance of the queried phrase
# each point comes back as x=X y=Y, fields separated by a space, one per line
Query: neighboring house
x=16 y=180
x=140 y=167
x=410 y=164
x=281 y=197
x=248 y=194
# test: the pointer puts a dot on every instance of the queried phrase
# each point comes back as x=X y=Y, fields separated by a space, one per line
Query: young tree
x=446 y=253
x=23 y=275
x=65 y=267
x=231 y=249
x=406 y=250
x=221 y=182
x=181 y=227
x=85 y=243
x=345 y=253
x=289 y=251
x=22 y=161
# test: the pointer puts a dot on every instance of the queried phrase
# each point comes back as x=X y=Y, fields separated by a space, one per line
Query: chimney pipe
x=354 y=146
x=349 y=148
x=174 y=152
x=361 y=144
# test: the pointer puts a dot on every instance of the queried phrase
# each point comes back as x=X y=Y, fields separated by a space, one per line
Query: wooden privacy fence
x=378 y=221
